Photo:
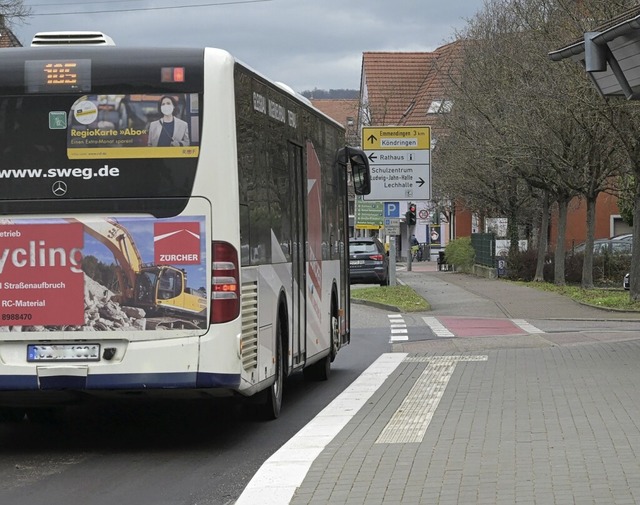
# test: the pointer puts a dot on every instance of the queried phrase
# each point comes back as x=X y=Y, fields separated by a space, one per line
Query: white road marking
x=411 y=420
x=277 y=479
x=437 y=327
x=528 y=327
x=398 y=328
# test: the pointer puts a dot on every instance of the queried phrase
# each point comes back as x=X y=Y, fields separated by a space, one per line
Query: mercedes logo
x=59 y=188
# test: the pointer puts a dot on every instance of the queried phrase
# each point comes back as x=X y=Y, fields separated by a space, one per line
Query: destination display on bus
x=57 y=76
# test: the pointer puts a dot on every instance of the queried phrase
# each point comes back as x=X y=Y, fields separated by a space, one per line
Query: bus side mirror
x=359 y=168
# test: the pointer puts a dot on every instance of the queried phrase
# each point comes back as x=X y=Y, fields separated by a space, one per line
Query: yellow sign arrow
x=396 y=137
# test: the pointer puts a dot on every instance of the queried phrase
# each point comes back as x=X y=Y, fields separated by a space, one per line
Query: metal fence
x=485 y=246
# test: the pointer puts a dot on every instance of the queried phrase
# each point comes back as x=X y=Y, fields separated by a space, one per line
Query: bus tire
x=273 y=403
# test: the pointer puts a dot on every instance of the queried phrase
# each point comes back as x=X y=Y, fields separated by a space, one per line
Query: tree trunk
x=587 y=264
x=512 y=233
x=634 y=277
x=542 y=238
x=563 y=205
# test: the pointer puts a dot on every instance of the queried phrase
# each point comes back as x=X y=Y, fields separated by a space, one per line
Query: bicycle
x=416 y=253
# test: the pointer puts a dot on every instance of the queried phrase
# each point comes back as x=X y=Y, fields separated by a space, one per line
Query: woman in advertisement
x=169 y=130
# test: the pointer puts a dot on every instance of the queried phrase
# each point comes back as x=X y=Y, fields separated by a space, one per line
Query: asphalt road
x=173 y=453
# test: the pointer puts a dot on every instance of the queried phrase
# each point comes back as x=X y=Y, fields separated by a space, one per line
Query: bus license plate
x=63 y=352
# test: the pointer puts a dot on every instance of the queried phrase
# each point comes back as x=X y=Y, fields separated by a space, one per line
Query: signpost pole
x=409 y=248
x=392 y=260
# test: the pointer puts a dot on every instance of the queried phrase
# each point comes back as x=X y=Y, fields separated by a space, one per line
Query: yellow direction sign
x=400 y=162
x=394 y=137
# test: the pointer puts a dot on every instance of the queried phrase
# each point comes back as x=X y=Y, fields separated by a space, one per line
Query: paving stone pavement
x=537 y=419
x=559 y=425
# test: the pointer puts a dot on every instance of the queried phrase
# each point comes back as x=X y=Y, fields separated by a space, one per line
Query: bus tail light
x=225 y=283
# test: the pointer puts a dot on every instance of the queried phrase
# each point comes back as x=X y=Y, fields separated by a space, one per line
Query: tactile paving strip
x=411 y=420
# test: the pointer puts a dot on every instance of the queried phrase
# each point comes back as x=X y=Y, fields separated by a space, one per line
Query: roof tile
x=400 y=87
x=7 y=37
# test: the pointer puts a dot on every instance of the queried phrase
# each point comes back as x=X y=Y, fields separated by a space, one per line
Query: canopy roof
x=611 y=55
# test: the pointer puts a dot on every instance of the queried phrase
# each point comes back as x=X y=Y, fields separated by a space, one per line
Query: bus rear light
x=224 y=287
x=225 y=283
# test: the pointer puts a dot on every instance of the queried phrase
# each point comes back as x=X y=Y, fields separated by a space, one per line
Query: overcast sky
x=306 y=44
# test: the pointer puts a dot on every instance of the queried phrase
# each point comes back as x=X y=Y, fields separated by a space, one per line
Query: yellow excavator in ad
x=161 y=290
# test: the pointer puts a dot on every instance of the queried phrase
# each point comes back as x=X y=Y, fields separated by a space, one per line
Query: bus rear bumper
x=65 y=378
x=169 y=364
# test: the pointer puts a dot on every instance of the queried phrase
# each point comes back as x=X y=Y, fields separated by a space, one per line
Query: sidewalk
x=460 y=294
x=498 y=423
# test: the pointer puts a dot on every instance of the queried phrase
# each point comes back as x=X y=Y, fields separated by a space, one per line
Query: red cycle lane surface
x=480 y=327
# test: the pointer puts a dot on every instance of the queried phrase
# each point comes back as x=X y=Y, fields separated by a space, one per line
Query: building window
x=440 y=107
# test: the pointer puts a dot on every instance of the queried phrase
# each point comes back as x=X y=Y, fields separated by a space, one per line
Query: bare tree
x=575 y=114
x=495 y=115
x=621 y=118
x=13 y=12
x=627 y=127
x=540 y=123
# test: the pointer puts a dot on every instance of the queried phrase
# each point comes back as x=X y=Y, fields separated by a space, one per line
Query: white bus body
x=198 y=251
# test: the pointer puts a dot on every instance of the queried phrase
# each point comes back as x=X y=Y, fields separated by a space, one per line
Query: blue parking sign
x=391 y=209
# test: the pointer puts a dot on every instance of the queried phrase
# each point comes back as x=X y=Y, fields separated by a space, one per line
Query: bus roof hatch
x=71 y=38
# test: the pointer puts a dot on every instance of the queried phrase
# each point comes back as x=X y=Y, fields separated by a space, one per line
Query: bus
x=171 y=222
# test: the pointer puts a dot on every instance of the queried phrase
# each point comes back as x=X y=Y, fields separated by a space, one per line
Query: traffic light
x=411 y=214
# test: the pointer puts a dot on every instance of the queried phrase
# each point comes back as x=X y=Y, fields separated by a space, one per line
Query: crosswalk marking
x=399 y=332
x=398 y=328
x=528 y=327
x=437 y=327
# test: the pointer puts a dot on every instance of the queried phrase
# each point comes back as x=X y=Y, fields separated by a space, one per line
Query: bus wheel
x=335 y=335
x=273 y=402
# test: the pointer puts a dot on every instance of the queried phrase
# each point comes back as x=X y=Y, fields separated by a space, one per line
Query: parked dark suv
x=368 y=261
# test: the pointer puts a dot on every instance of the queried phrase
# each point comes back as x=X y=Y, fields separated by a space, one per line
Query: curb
x=391 y=308
x=377 y=305
x=606 y=309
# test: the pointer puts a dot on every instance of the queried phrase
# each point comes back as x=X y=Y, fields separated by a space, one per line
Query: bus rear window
x=98 y=146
